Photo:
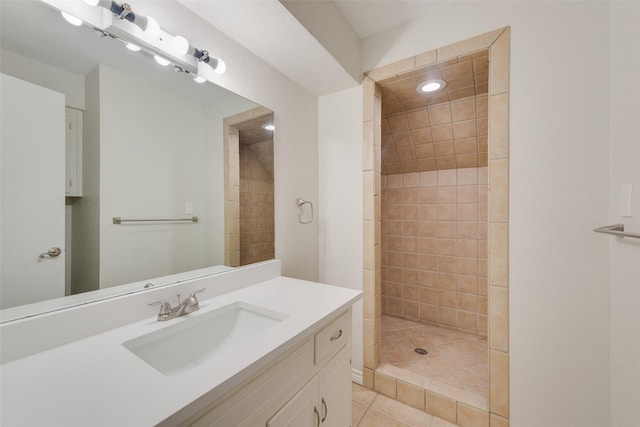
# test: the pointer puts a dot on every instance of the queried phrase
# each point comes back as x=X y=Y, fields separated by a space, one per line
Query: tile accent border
x=496 y=414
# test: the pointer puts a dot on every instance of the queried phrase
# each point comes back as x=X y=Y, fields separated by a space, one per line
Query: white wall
x=296 y=135
x=152 y=144
x=559 y=277
x=70 y=84
x=624 y=253
x=340 y=206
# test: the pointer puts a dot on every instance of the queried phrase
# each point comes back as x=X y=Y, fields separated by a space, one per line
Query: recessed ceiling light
x=431 y=86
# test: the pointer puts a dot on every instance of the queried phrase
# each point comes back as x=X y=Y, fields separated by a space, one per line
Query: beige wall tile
x=411 y=395
x=367 y=378
x=472 y=417
x=499 y=383
x=368 y=156
x=498 y=195
x=385 y=384
x=499 y=126
x=498 y=421
x=498 y=247
x=463 y=109
x=392 y=69
x=425 y=58
x=499 y=318
x=499 y=70
x=469 y=45
x=441 y=406
x=368 y=101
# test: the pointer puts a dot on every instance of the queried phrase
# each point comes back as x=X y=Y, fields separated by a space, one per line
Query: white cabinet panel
x=301 y=411
x=335 y=390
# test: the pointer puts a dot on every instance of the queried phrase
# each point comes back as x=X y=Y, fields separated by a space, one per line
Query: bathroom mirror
x=152 y=149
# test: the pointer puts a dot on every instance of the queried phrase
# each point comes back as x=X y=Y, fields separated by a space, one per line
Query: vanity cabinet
x=308 y=386
x=324 y=401
x=73 y=164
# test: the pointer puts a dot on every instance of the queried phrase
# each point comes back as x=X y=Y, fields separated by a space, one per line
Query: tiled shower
x=256 y=202
x=434 y=247
x=434 y=224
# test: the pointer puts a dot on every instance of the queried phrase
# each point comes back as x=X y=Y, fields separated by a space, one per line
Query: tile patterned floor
x=370 y=409
x=455 y=359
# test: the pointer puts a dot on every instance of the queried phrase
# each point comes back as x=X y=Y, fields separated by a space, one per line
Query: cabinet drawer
x=332 y=338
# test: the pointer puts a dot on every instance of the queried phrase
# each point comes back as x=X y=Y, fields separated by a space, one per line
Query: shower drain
x=420 y=350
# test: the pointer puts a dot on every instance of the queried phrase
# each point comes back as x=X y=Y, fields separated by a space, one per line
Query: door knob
x=51 y=253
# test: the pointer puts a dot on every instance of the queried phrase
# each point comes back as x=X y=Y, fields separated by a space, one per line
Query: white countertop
x=96 y=381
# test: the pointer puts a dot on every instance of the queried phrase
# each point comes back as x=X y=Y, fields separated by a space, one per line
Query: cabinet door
x=335 y=390
x=301 y=410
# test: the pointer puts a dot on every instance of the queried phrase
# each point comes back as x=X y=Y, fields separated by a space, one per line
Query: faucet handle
x=193 y=294
x=165 y=309
x=193 y=301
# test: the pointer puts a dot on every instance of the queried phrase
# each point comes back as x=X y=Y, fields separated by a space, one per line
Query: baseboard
x=356 y=376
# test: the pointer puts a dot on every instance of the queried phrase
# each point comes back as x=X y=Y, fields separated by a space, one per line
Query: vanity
x=262 y=350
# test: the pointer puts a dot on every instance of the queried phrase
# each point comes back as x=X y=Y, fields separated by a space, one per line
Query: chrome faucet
x=187 y=306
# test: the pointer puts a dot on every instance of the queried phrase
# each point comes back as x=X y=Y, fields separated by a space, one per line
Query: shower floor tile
x=456 y=359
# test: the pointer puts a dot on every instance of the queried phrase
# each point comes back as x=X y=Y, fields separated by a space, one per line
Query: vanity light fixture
x=123 y=11
x=179 y=45
x=164 y=47
x=76 y=22
x=162 y=61
x=430 y=86
x=216 y=64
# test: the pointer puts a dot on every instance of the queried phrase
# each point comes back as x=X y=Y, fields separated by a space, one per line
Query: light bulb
x=133 y=47
x=431 y=86
x=199 y=79
x=71 y=19
x=179 y=45
x=153 y=28
x=92 y=2
x=220 y=67
x=160 y=60
x=269 y=127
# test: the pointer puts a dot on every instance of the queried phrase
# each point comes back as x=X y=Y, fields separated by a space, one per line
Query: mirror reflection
x=102 y=133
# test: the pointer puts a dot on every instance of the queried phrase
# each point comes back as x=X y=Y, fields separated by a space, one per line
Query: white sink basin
x=193 y=340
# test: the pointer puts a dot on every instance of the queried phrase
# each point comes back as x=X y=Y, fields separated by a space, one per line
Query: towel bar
x=616 y=230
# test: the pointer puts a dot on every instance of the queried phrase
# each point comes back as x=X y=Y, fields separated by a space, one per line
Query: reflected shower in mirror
x=151 y=144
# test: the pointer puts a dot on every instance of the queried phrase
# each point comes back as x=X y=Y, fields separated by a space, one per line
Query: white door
x=32 y=188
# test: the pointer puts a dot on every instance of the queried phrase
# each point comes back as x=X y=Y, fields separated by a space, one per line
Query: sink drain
x=420 y=351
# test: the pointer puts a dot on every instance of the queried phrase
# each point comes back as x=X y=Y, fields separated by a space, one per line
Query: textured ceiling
x=443 y=130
